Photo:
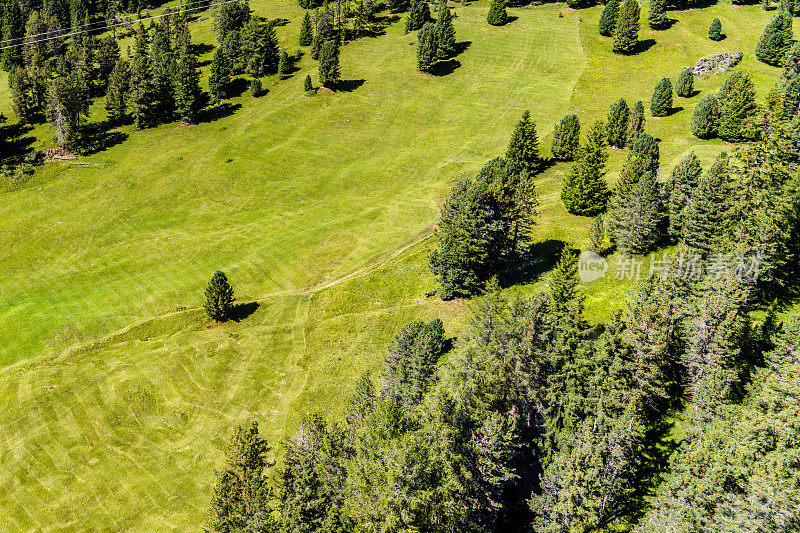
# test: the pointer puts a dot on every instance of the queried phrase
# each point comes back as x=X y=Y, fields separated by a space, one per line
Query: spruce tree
x=283 y=64
x=685 y=85
x=218 y=77
x=563 y=284
x=632 y=171
x=566 y=138
x=737 y=110
x=608 y=19
x=646 y=147
x=426 y=47
x=638 y=223
x=584 y=191
x=307 y=85
x=219 y=297
x=329 y=72
x=418 y=15
x=188 y=93
x=776 y=39
x=715 y=30
x=705 y=117
x=657 y=16
x=728 y=85
x=143 y=96
x=661 y=103
x=22 y=94
x=626 y=32
x=682 y=183
x=497 y=13
x=597 y=234
x=117 y=92
x=445 y=32
x=523 y=148
x=635 y=123
x=703 y=216
x=256 y=88
x=306 y=31
x=617 y=126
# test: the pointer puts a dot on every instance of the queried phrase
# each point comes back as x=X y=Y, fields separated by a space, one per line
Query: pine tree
x=728 y=85
x=657 y=17
x=608 y=19
x=585 y=191
x=705 y=117
x=646 y=147
x=418 y=15
x=219 y=297
x=256 y=88
x=497 y=13
x=218 y=76
x=426 y=47
x=702 y=220
x=638 y=223
x=597 y=234
x=323 y=30
x=283 y=64
x=410 y=364
x=635 y=123
x=617 y=127
x=626 y=32
x=737 y=110
x=164 y=68
x=682 y=183
x=776 y=39
x=685 y=85
x=329 y=72
x=632 y=171
x=563 y=284
x=22 y=94
x=142 y=97
x=307 y=85
x=566 y=138
x=445 y=32
x=523 y=148
x=661 y=103
x=117 y=93
x=188 y=93
x=306 y=31
x=259 y=50
x=65 y=110
x=715 y=30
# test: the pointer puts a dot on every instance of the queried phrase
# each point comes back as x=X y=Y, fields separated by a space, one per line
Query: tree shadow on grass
x=201 y=48
x=643 y=46
x=462 y=47
x=210 y=114
x=243 y=311
x=13 y=144
x=97 y=138
x=237 y=87
x=279 y=22
x=348 y=86
x=668 y=23
x=529 y=264
x=443 y=68
x=673 y=110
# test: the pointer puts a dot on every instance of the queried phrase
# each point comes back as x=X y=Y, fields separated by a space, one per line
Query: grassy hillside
x=116 y=397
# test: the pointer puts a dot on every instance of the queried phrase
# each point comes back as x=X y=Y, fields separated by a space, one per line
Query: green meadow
x=117 y=395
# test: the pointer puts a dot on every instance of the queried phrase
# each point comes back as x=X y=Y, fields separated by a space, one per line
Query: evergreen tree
x=608 y=19
x=638 y=223
x=626 y=32
x=259 y=48
x=563 y=285
x=256 y=88
x=23 y=96
x=703 y=216
x=219 y=297
x=566 y=138
x=715 y=30
x=632 y=171
x=646 y=147
x=329 y=64
x=661 y=103
x=597 y=234
x=143 y=97
x=188 y=93
x=283 y=64
x=585 y=191
x=445 y=32
x=410 y=364
x=324 y=30
x=523 y=148
x=117 y=93
x=426 y=47
x=685 y=85
x=497 y=13
x=229 y=17
x=682 y=183
x=165 y=70
x=418 y=15
x=635 y=123
x=737 y=111
x=727 y=86
x=306 y=31
x=218 y=76
x=307 y=85
x=617 y=127
x=705 y=117
x=13 y=29
x=657 y=16
x=776 y=39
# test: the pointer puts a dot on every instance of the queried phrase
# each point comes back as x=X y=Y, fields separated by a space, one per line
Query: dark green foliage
x=563 y=284
x=412 y=358
x=283 y=64
x=578 y=4
x=685 y=85
x=597 y=234
x=418 y=15
x=632 y=171
x=497 y=13
x=256 y=88
x=608 y=19
x=626 y=32
x=617 y=126
x=776 y=39
x=259 y=48
x=737 y=110
x=165 y=72
x=646 y=147
x=23 y=96
x=219 y=297
x=657 y=16
x=306 y=31
x=566 y=138
x=143 y=94
x=661 y=103
x=705 y=117
x=426 y=47
x=635 y=123
x=715 y=30
x=324 y=30
x=682 y=183
x=241 y=494
x=310 y=4
x=307 y=85
x=188 y=94
x=230 y=17
x=728 y=85
x=66 y=107
x=218 y=77
x=585 y=191
x=523 y=148
x=703 y=216
x=329 y=72
x=445 y=32
x=638 y=225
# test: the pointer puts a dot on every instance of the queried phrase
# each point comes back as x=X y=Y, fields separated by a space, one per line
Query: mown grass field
x=116 y=398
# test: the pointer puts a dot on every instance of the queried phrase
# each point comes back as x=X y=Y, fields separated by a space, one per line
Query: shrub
x=657 y=16
x=661 y=103
x=685 y=85
x=256 y=88
x=307 y=85
x=705 y=118
x=715 y=30
x=497 y=13
x=426 y=47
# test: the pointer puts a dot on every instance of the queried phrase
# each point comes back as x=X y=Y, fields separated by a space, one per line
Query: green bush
x=497 y=13
x=685 y=85
x=715 y=30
